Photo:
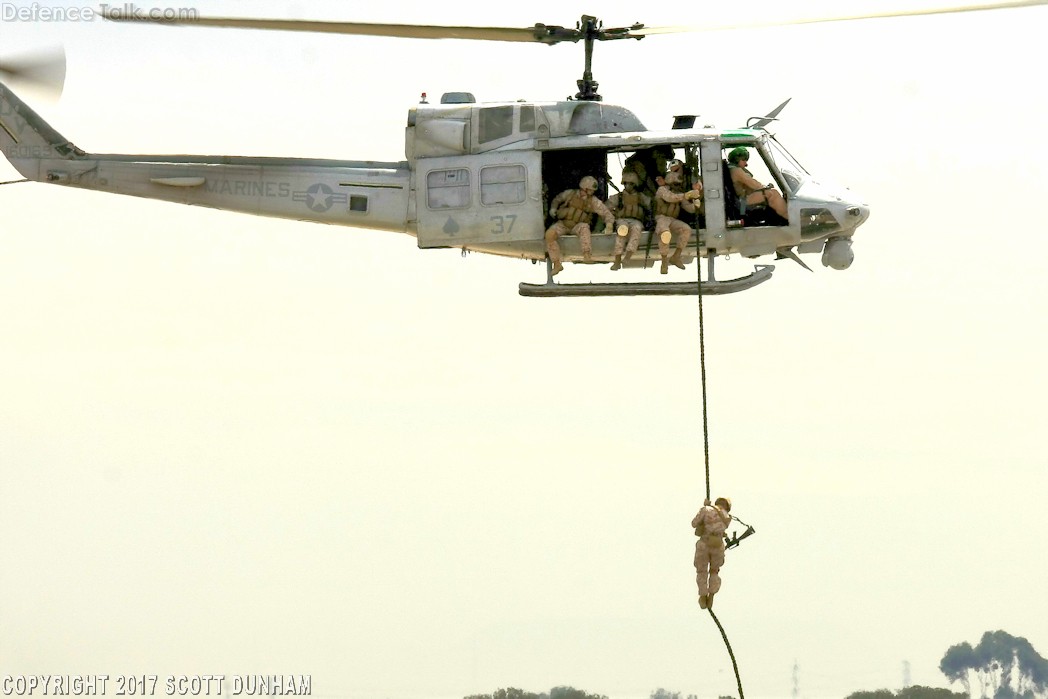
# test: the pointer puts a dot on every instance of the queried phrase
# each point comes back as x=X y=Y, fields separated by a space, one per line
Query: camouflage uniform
x=574 y=210
x=668 y=204
x=710 y=524
x=649 y=164
x=629 y=207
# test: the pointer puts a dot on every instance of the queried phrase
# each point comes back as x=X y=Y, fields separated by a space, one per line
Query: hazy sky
x=235 y=445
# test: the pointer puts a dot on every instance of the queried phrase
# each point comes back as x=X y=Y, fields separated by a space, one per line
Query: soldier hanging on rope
x=710 y=524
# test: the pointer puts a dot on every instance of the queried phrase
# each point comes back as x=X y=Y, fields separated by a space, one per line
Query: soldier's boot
x=618 y=263
x=629 y=254
x=557 y=269
x=665 y=266
x=703 y=601
x=709 y=601
x=675 y=260
x=587 y=256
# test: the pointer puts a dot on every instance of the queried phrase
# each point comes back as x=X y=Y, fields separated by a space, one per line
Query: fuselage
x=475 y=176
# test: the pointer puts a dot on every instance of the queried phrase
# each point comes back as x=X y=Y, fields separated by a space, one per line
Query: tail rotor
x=44 y=70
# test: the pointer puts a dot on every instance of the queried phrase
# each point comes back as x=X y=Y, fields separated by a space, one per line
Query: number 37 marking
x=499 y=224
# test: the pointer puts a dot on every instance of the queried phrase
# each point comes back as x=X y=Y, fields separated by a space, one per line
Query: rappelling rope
x=735 y=665
x=706 y=450
x=14 y=182
x=702 y=365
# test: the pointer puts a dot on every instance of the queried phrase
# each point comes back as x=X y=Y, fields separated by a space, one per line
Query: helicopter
x=480 y=176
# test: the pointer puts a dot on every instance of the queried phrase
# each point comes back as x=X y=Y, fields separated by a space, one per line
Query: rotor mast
x=587 y=85
x=588 y=29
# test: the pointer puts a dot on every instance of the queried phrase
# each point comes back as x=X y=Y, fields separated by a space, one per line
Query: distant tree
x=661 y=693
x=919 y=692
x=555 y=693
x=572 y=693
x=509 y=693
x=878 y=694
x=958 y=661
x=914 y=692
x=1005 y=666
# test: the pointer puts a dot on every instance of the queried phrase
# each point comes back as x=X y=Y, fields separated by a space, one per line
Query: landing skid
x=761 y=273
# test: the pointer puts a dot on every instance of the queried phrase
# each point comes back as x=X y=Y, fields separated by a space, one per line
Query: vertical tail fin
x=26 y=139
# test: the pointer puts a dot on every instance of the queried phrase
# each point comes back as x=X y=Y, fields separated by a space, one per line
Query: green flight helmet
x=738 y=154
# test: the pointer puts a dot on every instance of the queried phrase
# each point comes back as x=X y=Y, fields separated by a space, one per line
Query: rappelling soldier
x=710 y=524
x=631 y=208
x=669 y=200
x=574 y=210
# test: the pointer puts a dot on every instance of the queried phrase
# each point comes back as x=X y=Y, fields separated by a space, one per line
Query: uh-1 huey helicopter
x=480 y=176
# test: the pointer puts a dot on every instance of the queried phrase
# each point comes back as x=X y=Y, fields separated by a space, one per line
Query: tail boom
x=363 y=194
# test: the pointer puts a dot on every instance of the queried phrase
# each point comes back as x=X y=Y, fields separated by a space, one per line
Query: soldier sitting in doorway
x=574 y=210
x=631 y=209
x=669 y=200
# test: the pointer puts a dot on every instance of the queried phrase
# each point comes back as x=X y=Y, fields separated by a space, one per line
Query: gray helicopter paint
x=318 y=193
x=395 y=196
x=297 y=188
x=482 y=213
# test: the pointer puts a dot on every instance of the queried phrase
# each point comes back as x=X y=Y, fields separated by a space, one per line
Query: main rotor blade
x=844 y=18
x=44 y=69
x=410 y=31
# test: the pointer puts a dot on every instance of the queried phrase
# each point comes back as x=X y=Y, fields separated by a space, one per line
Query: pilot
x=574 y=210
x=669 y=200
x=710 y=524
x=631 y=209
x=749 y=189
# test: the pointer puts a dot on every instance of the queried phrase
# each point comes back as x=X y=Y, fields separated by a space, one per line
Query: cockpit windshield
x=792 y=171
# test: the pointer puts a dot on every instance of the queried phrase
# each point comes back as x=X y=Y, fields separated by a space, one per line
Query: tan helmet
x=726 y=501
x=674 y=177
x=630 y=178
x=588 y=182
